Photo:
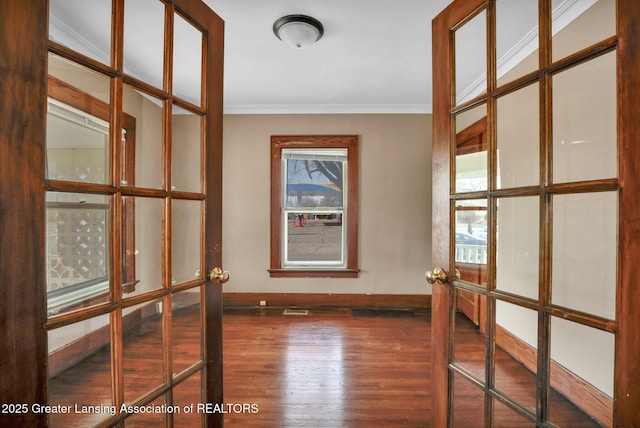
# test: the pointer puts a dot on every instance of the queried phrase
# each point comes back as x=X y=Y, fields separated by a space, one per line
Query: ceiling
x=374 y=57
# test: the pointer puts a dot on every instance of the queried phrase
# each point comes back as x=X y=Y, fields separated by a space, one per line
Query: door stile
x=627 y=373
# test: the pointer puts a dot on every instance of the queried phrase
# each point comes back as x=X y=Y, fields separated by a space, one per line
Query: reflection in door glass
x=187 y=329
x=471 y=59
x=582 y=367
x=471 y=163
x=517 y=246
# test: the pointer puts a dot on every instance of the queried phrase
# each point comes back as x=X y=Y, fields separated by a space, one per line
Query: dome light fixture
x=298 y=31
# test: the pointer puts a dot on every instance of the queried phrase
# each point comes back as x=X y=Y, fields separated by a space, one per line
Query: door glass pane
x=471 y=163
x=470 y=244
x=582 y=368
x=469 y=342
x=579 y=24
x=516 y=353
x=584 y=121
x=144 y=40
x=80 y=78
x=585 y=252
x=142 y=232
x=503 y=416
x=518 y=138
x=82 y=25
x=143 y=349
x=186 y=151
x=189 y=393
x=468 y=403
x=79 y=368
x=187 y=328
x=186 y=241
x=77 y=123
x=146 y=112
x=471 y=58
x=517 y=248
x=77 y=251
x=516 y=38
x=187 y=63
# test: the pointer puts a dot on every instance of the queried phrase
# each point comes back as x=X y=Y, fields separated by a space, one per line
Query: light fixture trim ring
x=281 y=22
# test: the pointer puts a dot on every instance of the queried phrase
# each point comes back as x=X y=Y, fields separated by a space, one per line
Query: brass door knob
x=438 y=274
x=218 y=275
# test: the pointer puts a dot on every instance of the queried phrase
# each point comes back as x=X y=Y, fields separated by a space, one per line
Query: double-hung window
x=314 y=206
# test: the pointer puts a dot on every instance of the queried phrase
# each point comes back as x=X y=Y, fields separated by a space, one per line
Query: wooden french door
x=535 y=229
x=120 y=106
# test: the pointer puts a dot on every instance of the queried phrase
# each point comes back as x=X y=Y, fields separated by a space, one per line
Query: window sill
x=314 y=273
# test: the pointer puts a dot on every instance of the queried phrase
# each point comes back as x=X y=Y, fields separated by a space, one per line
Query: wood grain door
x=539 y=221
x=121 y=149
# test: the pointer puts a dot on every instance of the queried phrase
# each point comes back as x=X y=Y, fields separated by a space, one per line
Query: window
x=314 y=206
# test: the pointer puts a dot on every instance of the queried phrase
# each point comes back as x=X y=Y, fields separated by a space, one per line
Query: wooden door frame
x=23 y=95
x=627 y=372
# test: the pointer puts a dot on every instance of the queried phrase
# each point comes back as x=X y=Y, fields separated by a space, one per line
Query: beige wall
x=395 y=202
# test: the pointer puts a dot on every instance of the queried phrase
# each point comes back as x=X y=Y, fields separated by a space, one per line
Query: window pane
x=187 y=329
x=471 y=48
x=143 y=349
x=471 y=240
x=578 y=24
x=471 y=162
x=146 y=113
x=82 y=25
x=79 y=368
x=77 y=251
x=516 y=38
x=585 y=252
x=314 y=238
x=519 y=138
x=187 y=63
x=186 y=150
x=315 y=178
x=144 y=40
x=584 y=121
x=186 y=241
x=469 y=343
x=518 y=239
x=142 y=232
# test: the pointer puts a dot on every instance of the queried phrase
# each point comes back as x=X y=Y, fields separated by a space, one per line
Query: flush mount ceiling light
x=298 y=31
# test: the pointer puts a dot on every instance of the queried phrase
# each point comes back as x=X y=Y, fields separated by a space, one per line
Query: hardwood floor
x=322 y=370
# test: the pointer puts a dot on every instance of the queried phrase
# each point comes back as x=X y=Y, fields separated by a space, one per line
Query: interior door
x=550 y=203
x=133 y=213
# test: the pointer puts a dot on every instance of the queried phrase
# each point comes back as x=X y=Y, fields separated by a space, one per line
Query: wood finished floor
x=330 y=369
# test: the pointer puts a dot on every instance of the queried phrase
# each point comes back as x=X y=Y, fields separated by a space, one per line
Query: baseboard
x=317 y=300
x=585 y=396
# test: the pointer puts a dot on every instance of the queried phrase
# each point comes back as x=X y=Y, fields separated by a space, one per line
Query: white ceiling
x=374 y=57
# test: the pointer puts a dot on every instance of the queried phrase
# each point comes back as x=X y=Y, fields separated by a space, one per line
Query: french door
x=535 y=213
x=122 y=143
